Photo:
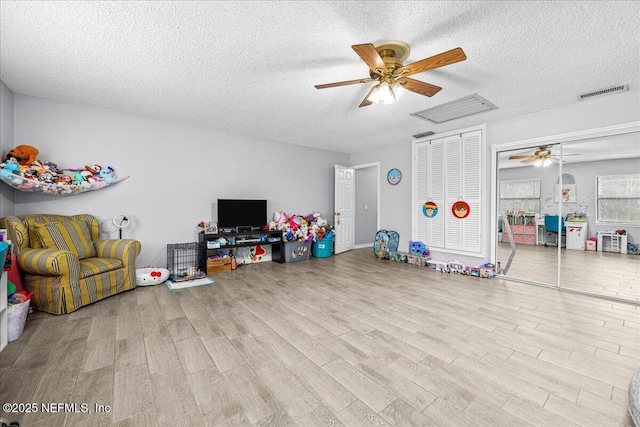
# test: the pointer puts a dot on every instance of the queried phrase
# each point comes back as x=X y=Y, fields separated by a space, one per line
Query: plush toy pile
x=300 y=228
x=21 y=169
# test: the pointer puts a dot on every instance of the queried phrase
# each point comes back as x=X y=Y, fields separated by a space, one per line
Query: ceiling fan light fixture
x=538 y=163
x=384 y=93
x=546 y=162
x=398 y=90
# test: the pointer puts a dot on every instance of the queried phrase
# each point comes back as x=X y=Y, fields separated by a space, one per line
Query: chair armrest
x=125 y=250
x=49 y=262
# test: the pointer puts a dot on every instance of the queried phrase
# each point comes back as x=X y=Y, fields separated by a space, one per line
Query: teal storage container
x=322 y=248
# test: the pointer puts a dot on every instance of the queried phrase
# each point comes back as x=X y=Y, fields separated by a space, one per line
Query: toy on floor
x=385 y=242
x=148 y=276
x=418 y=248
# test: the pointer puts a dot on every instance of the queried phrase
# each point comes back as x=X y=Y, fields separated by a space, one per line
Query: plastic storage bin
x=296 y=251
x=16 y=318
x=322 y=248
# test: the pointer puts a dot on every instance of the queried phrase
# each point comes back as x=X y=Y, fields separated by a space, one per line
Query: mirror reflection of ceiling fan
x=541 y=157
x=385 y=67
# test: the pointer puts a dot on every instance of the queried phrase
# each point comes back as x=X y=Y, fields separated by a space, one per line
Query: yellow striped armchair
x=66 y=265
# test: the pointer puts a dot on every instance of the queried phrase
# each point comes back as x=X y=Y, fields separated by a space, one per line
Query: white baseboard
x=364 y=245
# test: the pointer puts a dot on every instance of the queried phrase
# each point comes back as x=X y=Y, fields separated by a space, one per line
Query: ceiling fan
x=541 y=157
x=385 y=67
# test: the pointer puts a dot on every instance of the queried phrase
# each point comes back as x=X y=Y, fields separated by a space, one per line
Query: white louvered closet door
x=447 y=170
x=421 y=229
x=453 y=190
x=436 y=194
x=471 y=191
x=429 y=186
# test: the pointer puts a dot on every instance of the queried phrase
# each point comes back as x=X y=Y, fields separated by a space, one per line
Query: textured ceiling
x=250 y=67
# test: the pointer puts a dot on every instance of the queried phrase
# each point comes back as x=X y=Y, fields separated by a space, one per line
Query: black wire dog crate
x=182 y=261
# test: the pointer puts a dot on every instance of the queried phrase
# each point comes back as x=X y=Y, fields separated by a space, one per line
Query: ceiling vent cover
x=463 y=107
x=605 y=91
x=423 y=134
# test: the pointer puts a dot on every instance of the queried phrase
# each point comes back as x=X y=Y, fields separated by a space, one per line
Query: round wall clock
x=394 y=176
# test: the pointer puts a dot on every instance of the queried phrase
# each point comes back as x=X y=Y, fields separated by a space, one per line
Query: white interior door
x=344 y=209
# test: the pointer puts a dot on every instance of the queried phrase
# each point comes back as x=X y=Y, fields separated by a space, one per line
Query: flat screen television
x=234 y=213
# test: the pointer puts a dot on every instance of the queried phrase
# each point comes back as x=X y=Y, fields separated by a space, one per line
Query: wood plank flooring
x=604 y=273
x=343 y=341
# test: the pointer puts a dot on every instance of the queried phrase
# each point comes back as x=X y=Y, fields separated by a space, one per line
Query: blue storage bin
x=322 y=248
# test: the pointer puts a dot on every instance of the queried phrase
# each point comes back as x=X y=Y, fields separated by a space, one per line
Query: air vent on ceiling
x=463 y=107
x=423 y=134
x=605 y=91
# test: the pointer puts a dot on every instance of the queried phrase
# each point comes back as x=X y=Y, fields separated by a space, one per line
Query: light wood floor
x=604 y=273
x=347 y=340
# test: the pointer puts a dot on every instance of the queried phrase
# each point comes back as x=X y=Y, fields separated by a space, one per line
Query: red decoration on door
x=460 y=209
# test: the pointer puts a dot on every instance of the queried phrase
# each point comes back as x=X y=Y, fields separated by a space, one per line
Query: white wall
x=366 y=183
x=177 y=171
x=7 y=205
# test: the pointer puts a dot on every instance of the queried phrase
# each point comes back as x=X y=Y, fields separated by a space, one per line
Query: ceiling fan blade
x=419 y=87
x=440 y=60
x=530 y=159
x=518 y=157
x=371 y=57
x=366 y=101
x=345 y=83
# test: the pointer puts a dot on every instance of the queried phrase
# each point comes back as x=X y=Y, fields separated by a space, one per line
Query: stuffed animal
x=76 y=176
x=9 y=167
x=94 y=169
x=38 y=167
x=279 y=217
x=63 y=179
x=321 y=222
x=51 y=167
x=24 y=154
x=107 y=174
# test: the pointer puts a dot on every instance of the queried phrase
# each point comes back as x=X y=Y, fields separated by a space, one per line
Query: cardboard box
x=590 y=245
x=218 y=265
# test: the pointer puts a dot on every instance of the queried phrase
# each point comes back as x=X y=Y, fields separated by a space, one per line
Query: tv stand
x=241 y=240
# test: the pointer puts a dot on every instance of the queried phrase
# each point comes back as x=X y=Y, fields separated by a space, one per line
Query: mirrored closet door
x=602 y=211
x=524 y=251
x=567 y=211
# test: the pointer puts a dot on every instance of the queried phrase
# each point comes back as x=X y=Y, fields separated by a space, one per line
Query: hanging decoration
x=460 y=209
x=430 y=209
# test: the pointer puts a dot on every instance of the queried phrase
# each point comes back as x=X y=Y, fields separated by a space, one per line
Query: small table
x=616 y=242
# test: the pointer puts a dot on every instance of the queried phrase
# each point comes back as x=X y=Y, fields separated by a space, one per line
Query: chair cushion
x=32 y=222
x=69 y=235
x=92 y=266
